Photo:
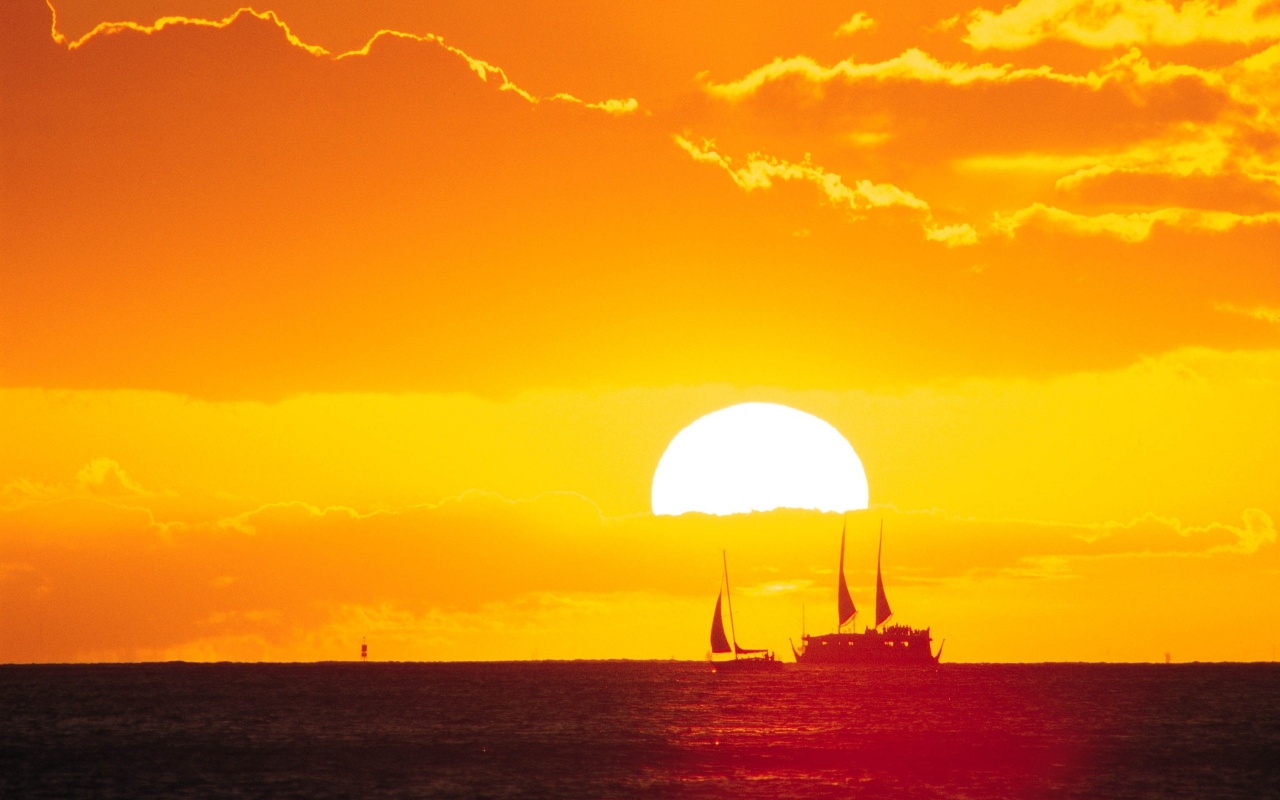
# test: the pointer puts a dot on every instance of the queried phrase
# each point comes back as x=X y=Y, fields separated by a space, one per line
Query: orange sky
x=310 y=332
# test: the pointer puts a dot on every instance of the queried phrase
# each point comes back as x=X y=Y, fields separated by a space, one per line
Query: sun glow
x=757 y=457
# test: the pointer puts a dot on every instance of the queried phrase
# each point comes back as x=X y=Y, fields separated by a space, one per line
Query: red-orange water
x=602 y=730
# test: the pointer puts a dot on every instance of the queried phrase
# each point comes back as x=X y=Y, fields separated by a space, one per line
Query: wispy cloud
x=101 y=478
x=911 y=65
x=858 y=22
x=915 y=65
x=1132 y=227
x=760 y=171
x=1260 y=313
x=105 y=476
x=1108 y=23
x=959 y=234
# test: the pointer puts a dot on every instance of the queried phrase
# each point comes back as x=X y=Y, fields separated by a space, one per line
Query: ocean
x=638 y=729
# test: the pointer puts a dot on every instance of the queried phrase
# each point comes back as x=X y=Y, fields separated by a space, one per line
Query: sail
x=844 y=601
x=719 y=642
x=883 y=612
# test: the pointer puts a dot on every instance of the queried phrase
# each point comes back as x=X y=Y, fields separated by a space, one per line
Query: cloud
x=1260 y=313
x=1171 y=144
x=1254 y=83
x=23 y=490
x=761 y=171
x=1224 y=162
x=915 y=65
x=534 y=626
x=98 y=580
x=364 y=174
x=1258 y=530
x=956 y=235
x=912 y=65
x=483 y=69
x=1132 y=227
x=116 y=28
x=1208 y=150
x=480 y=576
x=858 y=22
x=1112 y=23
x=997 y=545
x=1128 y=114
x=1153 y=534
x=611 y=106
x=104 y=476
x=101 y=478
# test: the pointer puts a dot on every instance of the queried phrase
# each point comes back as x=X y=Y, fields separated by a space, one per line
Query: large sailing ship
x=891 y=645
x=744 y=659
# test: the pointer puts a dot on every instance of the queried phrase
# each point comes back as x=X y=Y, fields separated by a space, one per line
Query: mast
x=729 y=595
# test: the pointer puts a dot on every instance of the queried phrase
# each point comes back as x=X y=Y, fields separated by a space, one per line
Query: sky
x=322 y=322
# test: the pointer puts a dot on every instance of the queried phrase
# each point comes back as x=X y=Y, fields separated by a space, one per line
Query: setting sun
x=758 y=457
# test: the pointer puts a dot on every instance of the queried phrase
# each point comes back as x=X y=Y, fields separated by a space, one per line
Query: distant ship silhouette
x=744 y=659
x=894 y=645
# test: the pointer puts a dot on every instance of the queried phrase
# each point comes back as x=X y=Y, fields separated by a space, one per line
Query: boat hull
x=747 y=665
x=904 y=647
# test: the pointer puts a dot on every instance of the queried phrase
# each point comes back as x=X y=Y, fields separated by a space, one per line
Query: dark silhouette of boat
x=891 y=645
x=744 y=659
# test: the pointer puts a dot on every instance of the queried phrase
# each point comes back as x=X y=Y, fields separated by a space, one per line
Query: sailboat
x=744 y=659
x=889 y=645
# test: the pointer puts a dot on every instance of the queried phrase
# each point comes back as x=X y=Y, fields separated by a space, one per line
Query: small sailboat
x=744 y=659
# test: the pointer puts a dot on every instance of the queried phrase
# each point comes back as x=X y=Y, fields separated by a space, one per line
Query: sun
x=756 y=457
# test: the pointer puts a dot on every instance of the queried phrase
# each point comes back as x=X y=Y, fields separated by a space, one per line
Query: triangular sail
x=844 y=601
x=719 y=642
x=883 y=612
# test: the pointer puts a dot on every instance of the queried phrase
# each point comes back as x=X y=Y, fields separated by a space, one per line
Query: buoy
x=364 y=650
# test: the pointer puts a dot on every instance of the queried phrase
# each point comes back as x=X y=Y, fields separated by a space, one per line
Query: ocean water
x=638 y=729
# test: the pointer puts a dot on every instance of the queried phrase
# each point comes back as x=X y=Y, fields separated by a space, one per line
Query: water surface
x=638 y=729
